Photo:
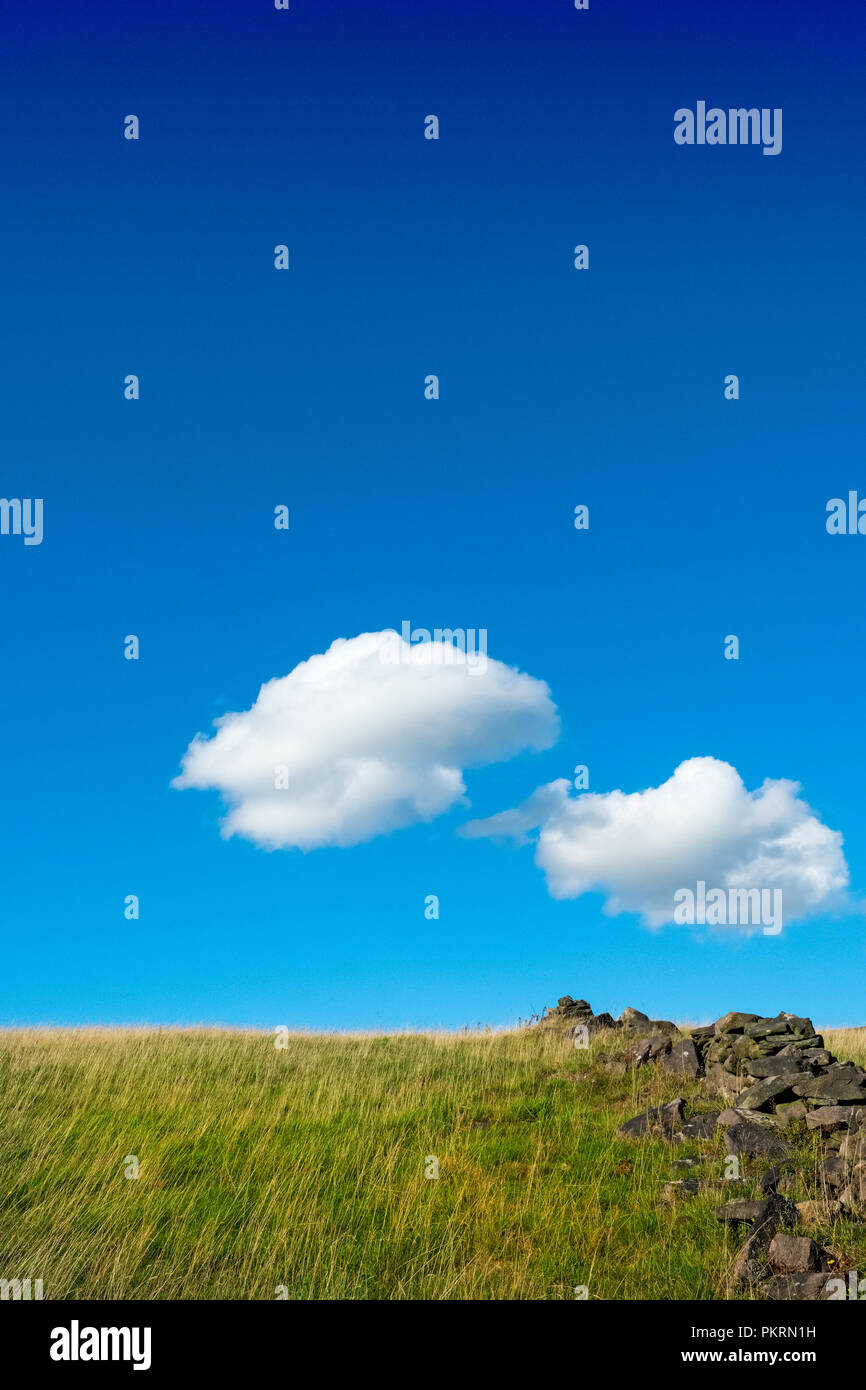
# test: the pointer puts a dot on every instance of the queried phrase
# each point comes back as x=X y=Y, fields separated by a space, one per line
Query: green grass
x=305 y=1168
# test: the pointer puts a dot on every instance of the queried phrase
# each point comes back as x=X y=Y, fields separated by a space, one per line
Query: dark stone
x=699 y=1126
x=733 y=1212
x=816 y=1057
x=722 y=1083
x=775 y=1065
x=733 y=1116
x=572 y=1014
x=766 y=1028
x=687 y=1187
x=630 y=1016
x=760 y=1096
x=839 y=1083
x=599 y=1021
x=801 y=1047
x=828 y=1118
x=792 y=1110
x=683 y=1059
x=733 y=1023
x=794 y=1254
x=803 y=1027
x=767 y=1047
x=662 y=1119
x=647 y=1049
x=782 y=1023
x=753 y=1141
x=812 y=1288
x=638 y=1053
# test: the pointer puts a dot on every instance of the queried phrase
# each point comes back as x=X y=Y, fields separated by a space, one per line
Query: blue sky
x=305 y=387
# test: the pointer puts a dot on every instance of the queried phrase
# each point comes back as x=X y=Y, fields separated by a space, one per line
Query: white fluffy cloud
x=639 y=848
x=374 y=734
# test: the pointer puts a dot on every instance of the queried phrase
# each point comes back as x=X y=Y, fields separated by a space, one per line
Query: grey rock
x=647 y=1049
x=828 y=1118
x=599 y=1021
x=811 y=1057
x=772 y=1210
x=775 y=1065
x=793 y=1254
x=766 y=1119
x=628 y=1017
x=735 y=1116
x=699 y=1126
x=803 y=1027
x=741 y=1211
x=675 y=1191
x=791 y=1111
x=730 y=1116
x=722 y=1084
x=662 y=1119
x=569 y=1014
x=768 y=1027
x=837 y=1083
x=637 y=1054
x=767 y=1047
x=815 y=1043
x=733 y=1023
x=760 y=1096
x=812 y=1288
x=753 y=1141
x=683 y=1059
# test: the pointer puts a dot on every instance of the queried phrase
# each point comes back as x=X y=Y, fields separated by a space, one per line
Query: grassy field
x=305 y=1168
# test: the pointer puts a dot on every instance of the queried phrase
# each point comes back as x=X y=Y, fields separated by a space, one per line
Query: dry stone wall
x=768 y=1075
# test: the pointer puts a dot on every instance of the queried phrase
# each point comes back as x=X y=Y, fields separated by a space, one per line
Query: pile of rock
x=790 y=1266
x=575 y=1016
x=778 y=1064
x=572 y=1014
x=773 y=1072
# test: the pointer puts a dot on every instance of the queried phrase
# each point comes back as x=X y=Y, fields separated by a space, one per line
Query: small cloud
x=640 y=848
x=372 y=735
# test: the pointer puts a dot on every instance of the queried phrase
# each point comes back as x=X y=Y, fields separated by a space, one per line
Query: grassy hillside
x=306 y=1168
